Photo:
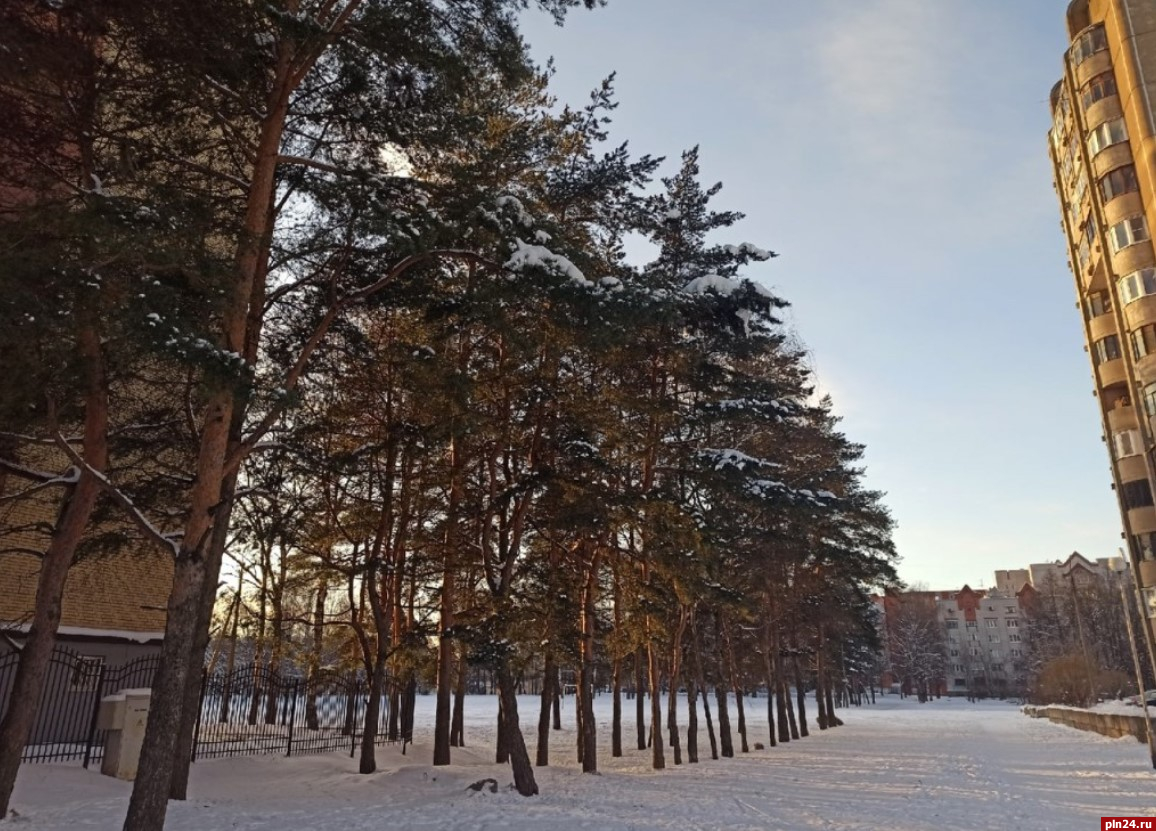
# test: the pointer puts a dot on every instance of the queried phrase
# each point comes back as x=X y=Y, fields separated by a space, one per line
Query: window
x=1097 y=305
x=994 y=655
x=1017 y=653
x=1136 y=494
x=974 y=636
x=1088 y=44
x=1011 y=610
x=993 y=638
x=1014 y=637
x=1099 y=87
x=990 y=622
x=1075 y=206
x=953 y=624
x=1118 y=182
x=1011 y=622
x=997 y=667
x=1150 y=603
x=1127 y=442
x=955 y=653
x=960 y=682
x=1145 y=546
x=1143 y=341
x=971 y=624
x=1107 y=134
x=1106 y=349
x=1127 y=232
x=86 y=672
x=959 y=667
x=1137 y=284
x=975 y=651
x=1083 y=254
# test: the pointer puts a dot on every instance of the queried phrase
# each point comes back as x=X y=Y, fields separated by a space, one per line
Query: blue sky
x=893 y=152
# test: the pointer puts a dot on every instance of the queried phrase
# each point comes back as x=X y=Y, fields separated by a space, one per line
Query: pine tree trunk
x=675 y=677
x=736 y=687
x=183 y=755
x=724 y=722
x=691 y=721
x=443 y=712
x=501 y=750
x=514 y=741
x=32 y=669
x=458 y=722
x=616 y=708
x=557 y=698
x=639 y=704
x=781 y=708
x=408 y=703
x=832 y=719
x=701 y=679
x=587 y=726
x=549 y=680
x=313 y=679
x=820 y=705
x=657 y=757
x=786 y=694
x=368 y=761
x=800 y=694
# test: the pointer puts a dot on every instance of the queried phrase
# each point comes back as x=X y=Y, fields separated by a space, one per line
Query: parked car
x=1150 y=695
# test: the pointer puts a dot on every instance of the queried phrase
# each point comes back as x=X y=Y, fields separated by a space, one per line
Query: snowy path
x=897 y=765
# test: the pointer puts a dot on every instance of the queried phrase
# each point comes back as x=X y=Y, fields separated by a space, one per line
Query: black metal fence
x=65 y=728
x=252 y=710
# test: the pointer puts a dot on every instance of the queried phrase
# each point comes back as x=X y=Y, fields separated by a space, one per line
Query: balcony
x=1122 y=417
x=1111 y=372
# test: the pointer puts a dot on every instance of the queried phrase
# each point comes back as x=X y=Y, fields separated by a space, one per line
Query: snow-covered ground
x=896 y=765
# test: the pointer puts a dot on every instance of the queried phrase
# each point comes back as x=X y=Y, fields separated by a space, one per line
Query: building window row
x=1106 y=349
x=1098 y=88
x=1127 y=232
x=1143 y=341
x=1118 y=182
x=1098 y=304
x=1145 y=546
x=1137 y=284
x=1149 y=396
x=1126 y=443
x=1106 y=135
x=1090 y=43
x=1136 y=494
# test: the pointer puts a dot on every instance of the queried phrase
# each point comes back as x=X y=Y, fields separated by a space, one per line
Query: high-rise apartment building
x=1103 y=150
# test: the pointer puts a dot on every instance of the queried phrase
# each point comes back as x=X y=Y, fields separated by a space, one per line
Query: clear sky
x=893 y=152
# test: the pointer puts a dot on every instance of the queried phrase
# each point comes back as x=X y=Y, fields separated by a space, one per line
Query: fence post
x=292 y=717
x=92 y=719
x=200 y=710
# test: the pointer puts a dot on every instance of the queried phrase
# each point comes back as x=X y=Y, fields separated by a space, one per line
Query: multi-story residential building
x=1103 y=150
x=985 y=638
x=973 y=641
x=1076 y=567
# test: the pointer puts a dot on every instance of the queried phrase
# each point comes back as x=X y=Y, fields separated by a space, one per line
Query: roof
x=118 y=594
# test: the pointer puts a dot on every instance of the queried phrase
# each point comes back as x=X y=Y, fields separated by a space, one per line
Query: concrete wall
x=1106 y=724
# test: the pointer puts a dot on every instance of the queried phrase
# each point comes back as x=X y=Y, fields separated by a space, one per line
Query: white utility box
x=124 y=716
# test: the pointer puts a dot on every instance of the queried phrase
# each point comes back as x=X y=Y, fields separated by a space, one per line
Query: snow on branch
x=538 y=256
x=172 y=542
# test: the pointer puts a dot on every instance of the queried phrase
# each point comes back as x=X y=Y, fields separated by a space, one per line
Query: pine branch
x=171 y=542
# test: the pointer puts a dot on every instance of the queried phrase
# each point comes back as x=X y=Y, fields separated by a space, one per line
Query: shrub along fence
x=250 y=711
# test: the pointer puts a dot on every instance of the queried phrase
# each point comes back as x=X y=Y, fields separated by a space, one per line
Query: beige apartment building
x=1103 y=149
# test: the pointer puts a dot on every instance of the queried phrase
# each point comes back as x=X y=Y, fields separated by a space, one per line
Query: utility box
x=124 y=716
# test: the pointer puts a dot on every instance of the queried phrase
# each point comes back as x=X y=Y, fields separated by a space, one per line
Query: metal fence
x=252 y=710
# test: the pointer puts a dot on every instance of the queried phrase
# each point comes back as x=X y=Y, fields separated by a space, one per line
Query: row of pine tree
x=337 y=285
